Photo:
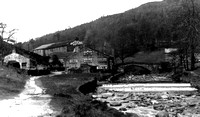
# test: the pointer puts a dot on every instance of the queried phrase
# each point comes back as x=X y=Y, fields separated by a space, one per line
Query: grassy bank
x=66 y=97
x=12 y=82
x=192 y=77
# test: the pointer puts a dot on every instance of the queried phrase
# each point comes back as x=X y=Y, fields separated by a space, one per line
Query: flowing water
x=149 y=87
x=31 y=102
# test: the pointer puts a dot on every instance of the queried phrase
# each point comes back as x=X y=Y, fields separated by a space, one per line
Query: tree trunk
x=192 y=57
x=181 y=59
x=122 y=59
x=184 y=63
x=187 y=66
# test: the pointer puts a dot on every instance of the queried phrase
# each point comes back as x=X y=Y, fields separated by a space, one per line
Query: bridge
x=146 y=66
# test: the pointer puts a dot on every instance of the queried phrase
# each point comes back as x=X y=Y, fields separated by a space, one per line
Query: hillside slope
x=100 y=28
x=151 y=22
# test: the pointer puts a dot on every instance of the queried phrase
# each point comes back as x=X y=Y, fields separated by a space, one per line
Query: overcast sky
x=35 y=18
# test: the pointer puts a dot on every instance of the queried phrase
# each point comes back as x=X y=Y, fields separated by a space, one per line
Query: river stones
x=136 y=102
x=164 y=96
x=154 y=102
x=192 y=103
x=95 y=96
x=187 y=115
x=139 y=78
x=183 y=103
x=115 y=103
x=106 y=95
x=101 y=90
x=133 y=115
x=134 y=98
x=131 y=105
x=125 y=101
x=158 y=107
x=162 y=114
x=122 y=109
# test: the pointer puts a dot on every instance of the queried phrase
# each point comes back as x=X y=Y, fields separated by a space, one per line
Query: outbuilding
x=17 y=60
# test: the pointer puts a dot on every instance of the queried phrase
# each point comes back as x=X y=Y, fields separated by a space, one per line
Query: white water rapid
x=31 y=102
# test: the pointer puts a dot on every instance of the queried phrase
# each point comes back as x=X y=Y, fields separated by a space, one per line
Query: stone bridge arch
x=152 y=67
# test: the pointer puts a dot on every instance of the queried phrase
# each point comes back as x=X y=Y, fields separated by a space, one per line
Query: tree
x=4 y=47
x=146 y=36
x=56 y=62
x=188 y=26
x=9 y=34
x=125 y=44
x=89 y=38
x=19 y=44
x=56 y=36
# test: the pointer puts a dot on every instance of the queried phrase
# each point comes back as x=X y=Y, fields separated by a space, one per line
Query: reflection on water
x=31 y=102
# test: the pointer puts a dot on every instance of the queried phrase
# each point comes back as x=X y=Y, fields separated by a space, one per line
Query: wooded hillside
x=146 y=28
x=106 y=27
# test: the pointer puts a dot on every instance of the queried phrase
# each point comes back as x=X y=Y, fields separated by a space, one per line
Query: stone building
x=25 y=59
x=74 y=54
x=15 y=58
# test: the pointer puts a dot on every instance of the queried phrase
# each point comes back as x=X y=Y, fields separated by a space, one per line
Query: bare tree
x=9 y=35
x=5 y=36
x=2 y=27
x=188 y=24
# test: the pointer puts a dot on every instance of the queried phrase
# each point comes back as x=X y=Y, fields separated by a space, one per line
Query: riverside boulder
x=162 y=114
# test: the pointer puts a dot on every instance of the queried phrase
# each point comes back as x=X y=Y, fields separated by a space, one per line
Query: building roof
x=53 y=45
x=59 y=44
x=70 y=44
x=44 y=46
x=33 y=56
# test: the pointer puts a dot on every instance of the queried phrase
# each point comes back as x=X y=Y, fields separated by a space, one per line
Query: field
x=70 y=101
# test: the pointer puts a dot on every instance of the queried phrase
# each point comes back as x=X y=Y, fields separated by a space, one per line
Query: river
x=31 y=102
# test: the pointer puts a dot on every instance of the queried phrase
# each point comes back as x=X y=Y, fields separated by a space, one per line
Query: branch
x=11 y=33
x=2 y=26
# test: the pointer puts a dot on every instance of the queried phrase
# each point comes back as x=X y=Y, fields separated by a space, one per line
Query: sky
x=35 y=18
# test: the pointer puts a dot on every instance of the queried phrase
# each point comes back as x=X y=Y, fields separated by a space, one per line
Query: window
x=87 y=53
x=73 y=61
x=24 y=65
x=76 y=49
x=87 y=60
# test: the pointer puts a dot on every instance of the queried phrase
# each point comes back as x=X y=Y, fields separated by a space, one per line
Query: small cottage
x=17 y=60
x=23 y=59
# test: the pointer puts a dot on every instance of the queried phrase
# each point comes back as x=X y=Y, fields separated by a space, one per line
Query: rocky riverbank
x=149 y=101
x=181 y=104
x=145 y=78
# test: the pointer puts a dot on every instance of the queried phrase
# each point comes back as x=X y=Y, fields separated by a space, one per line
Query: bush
x=88 y=87
x=75 y=70
x=189 y=78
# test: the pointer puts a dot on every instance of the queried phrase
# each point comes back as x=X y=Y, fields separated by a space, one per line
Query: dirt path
x=31 y=102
